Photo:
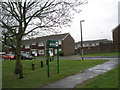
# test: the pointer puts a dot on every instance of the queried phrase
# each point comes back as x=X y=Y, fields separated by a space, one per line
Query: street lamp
x=81 y=37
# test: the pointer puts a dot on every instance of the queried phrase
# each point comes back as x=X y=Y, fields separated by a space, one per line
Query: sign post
x=52 y=44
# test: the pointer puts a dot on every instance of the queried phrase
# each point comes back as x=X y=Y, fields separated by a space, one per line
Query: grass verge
x=38 y=77
x=106 y=80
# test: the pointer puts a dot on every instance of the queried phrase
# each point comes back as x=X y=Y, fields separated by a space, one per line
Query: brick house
x=91 y=46
x=116 y=34
x=92 y=43
x=116 y=37
x=37 y=45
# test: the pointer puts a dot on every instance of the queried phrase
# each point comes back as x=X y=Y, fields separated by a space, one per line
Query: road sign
x=51 y=44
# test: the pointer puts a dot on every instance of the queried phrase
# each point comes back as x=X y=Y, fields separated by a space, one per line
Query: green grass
x=103 y=54
x=106 y=80
x=38 y=78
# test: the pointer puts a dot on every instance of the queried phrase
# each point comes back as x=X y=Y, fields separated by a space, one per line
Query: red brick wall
x=116 y=38
x=116 y=35
x=68 y=45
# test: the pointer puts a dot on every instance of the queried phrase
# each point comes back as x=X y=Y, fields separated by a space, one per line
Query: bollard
x=46 y=62
x=50 y=59
x=33 y=66
x=41 y=64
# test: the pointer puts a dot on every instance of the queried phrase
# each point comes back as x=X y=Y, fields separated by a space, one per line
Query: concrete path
x=74 y=80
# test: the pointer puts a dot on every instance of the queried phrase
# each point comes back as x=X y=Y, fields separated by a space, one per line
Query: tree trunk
x=18 y=64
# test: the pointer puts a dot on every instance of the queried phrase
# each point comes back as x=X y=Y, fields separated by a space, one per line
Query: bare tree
x=22 y=18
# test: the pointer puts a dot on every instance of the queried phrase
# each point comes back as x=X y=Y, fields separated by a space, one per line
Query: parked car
x=8 y=57
x=25 y=56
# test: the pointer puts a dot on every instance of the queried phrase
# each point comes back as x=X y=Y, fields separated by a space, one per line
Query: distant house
x=90 y=45
x=37 y=46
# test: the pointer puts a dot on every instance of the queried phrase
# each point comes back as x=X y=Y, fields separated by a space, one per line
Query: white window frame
x=33 y=43
x=27 y=46
x=42 y=50
x=97 y=43
x=59 y=42
x=41 y=44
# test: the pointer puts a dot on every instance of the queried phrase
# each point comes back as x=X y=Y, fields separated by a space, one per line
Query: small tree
x=23 y=18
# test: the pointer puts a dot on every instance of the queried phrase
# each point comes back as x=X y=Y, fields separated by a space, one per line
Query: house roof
x=44 y=38
x=116 y=28
x=95 y=41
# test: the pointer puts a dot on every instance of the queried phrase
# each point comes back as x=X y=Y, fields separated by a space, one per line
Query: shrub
x=61 y=53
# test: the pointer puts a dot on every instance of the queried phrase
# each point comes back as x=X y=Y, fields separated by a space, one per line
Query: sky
x=101 y=17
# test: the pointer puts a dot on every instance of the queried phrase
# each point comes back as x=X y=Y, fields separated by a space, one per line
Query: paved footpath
x=74 y=80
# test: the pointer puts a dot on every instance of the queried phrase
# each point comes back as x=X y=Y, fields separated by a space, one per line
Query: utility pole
x=82 y=52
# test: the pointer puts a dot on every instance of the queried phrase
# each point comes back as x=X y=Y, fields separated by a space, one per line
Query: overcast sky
x=100 y=16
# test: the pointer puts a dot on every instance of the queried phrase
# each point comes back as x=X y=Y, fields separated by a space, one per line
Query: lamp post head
x=82 y=21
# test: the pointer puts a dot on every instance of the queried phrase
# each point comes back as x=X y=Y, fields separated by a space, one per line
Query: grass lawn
x=37 y=78
x=106 y=80
x=103 y=54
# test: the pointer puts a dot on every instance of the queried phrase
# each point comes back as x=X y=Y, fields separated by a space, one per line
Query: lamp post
x=81 y=38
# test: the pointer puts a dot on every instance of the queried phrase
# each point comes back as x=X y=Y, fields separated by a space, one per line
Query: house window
x=60 y=49
x=41 y=44
x=59 y=42
x=84 y=45
x=27 y=46
x=41 y=51
x=97 y=43
x=90 y=44
x=93 y=44
x=55 y=51
x=22 y=46
x=33 y=43
x=78 y=45
x=87 y=45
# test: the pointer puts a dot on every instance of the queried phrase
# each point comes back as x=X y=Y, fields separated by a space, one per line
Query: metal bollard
x=41 y=64
x=50 y=59
x=33 y=66
x=46 y=62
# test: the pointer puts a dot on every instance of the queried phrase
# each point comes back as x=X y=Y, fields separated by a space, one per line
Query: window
x=22 y=46
x=33 y=43
x=41 y=44
x=78 y=45
x=55 y=51
x=97 y=43
x=27 y=46
x=41 y=51
x=84 y=45
x=93 y=44
x=59 y=42
x=87 y=45
x=60 y=49
x=90 y=44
